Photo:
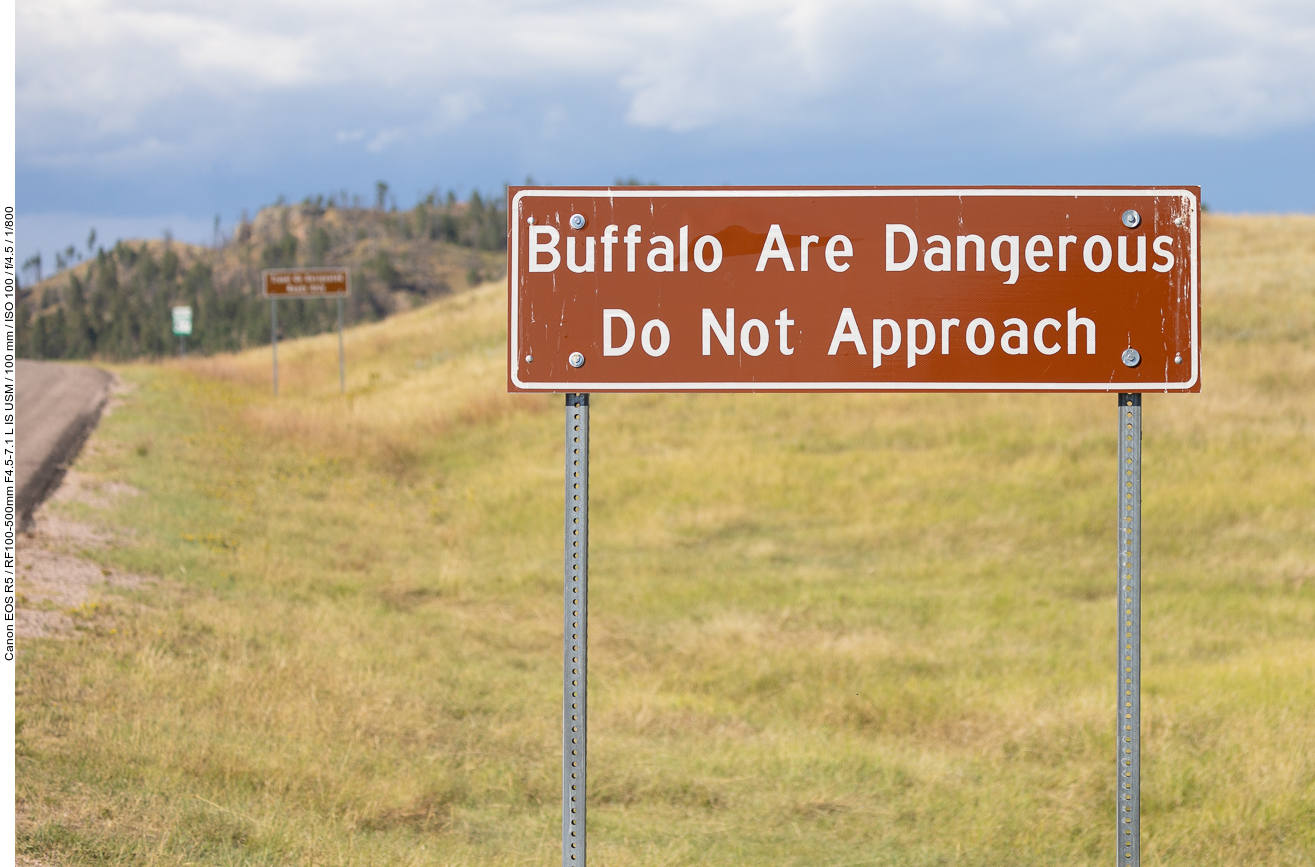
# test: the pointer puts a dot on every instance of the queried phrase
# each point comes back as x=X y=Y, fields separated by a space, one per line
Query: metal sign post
x=853 y=289
x=575 y=633
x=274 y=339
x=342 y=363
x=1129 y=656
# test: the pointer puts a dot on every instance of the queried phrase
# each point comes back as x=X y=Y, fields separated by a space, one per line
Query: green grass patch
x=826 y=629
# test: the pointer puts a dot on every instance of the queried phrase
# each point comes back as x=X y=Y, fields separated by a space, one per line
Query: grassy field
x=827 y=630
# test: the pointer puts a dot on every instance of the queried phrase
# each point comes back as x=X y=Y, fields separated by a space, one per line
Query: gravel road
x=58 y=406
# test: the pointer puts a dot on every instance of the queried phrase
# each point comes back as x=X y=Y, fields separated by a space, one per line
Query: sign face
x=182 y=317
x=305 y=282
x=854 y=289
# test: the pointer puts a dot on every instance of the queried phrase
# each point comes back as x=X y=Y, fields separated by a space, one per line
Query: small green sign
x=182 y=321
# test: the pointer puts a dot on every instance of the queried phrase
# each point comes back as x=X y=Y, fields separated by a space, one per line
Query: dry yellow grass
x=408 y=379
x=827 y=629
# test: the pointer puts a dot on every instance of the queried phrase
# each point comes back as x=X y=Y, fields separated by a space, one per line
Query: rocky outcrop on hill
x=116 y=305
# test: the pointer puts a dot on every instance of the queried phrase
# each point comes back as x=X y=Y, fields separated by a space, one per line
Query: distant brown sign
x=854 y=289
x=305 y=282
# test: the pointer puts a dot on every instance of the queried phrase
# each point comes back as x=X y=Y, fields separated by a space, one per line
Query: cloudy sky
x=139 y=115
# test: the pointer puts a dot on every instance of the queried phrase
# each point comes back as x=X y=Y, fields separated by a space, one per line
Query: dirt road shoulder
x=58 y=407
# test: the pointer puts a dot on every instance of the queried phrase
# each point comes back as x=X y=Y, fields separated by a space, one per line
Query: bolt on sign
x=304 y=282
x=855 y=289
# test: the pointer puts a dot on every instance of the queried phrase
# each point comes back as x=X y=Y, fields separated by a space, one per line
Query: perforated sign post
x=304 y=283
x=1027 y=289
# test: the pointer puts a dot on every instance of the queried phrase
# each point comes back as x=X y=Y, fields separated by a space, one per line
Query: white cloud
x=726 y=62
x=457 y=107
x=97 y=72
x=110 y=61
x=383 y=139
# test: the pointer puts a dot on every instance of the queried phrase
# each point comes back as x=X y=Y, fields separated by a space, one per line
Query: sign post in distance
x=305 y=283
x=955 y=289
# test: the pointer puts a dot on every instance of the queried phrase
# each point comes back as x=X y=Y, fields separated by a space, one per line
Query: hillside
x=825 y=629
x=116 y=304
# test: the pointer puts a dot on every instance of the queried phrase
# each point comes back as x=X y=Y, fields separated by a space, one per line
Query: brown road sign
x=854 y=289
x=305 y=282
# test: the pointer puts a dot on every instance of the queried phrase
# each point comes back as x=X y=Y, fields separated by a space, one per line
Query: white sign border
x=513 y=359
